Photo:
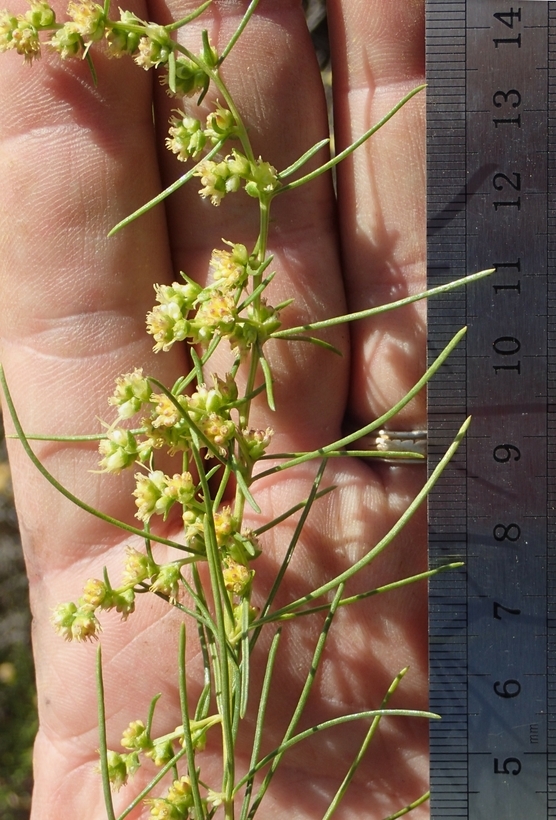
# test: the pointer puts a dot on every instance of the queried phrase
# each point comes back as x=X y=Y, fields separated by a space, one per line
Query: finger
x=274 y=79
x=72 y=308
x=72 y=302
x=378 y=56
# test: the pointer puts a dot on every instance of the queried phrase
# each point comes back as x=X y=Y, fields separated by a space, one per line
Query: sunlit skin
x=74 y=160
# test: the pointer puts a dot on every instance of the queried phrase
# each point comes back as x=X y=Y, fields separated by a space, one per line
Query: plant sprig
x=207 y=429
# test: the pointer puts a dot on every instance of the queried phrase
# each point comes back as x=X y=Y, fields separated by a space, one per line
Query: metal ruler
x=491 y=68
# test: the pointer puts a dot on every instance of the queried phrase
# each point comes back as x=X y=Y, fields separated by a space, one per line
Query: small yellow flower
x=118 y=450
x=41 y=14
x=186 y=138
x=137 y=567
x=135 y=737
x=167 y=581
x=120 y=767
x=88 y=18
x=166 y=414
x=67 y=41
x=228 y=269
x=25 y=40
x=94 y=593
x=132 y=392
x=75 y=623
x=218 y=311
x=237 y=578
x=154 y=49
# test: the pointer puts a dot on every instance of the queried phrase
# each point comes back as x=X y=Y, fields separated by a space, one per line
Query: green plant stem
x=419 y=802
x=369 y=714
x=369 y=736
x=190 y=17
x=353 y=599
x=237 y=34
x=392 y=533
x=187 y=739
x=375 y=311
x=257 y=740
x=289 y=552
x=103 y=748
x=220 y=599
x=69 y=495
x=165 y=193
x=351 y=148
x=375 y=425
x=301 y=703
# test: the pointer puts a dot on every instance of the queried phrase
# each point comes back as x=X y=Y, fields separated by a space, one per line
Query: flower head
x=167 y=581
x=119 y=450
x=176 y=804
x=154 y=49
x=88 y=18
x=188 y=78
x=186 y=138
x=120 y=39
x=229 y=268
x=41 y=14
x=67 y=41
x=220 y=125
x=132 y=392
x=95 y=593
x=137 y=567
x=120 y=767
x=75 y=623
x=18 y=34
x=136 y=737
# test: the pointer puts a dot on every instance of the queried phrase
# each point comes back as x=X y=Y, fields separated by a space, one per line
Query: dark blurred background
x=18 y=717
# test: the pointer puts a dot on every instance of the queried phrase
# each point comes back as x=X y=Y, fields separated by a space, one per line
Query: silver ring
x=396 y=441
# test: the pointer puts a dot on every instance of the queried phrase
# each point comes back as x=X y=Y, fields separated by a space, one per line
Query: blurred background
x=18 y=720
x=18 y=714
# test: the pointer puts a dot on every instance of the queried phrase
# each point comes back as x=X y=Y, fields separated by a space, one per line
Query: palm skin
x=74 y=160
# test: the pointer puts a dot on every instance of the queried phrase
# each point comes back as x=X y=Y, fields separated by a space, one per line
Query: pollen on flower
x=136 y=737
x=154 y=49
x=186 y=138
x=167 y=324
x=94 y=593
x=149 y=494
x=155 y=493
x=132 y=391
x=18 y=34
x=118 y=450
x=75 y=623
x=237 y=578
x=223 y=525
x=177 y=803
x=88 y=18
x=228 y=272
x=165 y=414
x=167 y=582
x=257 y=441
x=137 y=567
x=180 y=488
x=217 y=311
x=67 y=41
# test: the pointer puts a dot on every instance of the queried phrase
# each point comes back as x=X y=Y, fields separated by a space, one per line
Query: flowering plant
x=234 y=550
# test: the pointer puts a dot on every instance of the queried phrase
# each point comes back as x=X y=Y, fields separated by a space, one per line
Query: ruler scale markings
x=491 y=175
x=447 y=88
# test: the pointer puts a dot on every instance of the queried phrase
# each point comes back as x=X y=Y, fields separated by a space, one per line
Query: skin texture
x=74 y=160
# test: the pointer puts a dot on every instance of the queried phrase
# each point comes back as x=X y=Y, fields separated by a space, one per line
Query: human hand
x=76 y=159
